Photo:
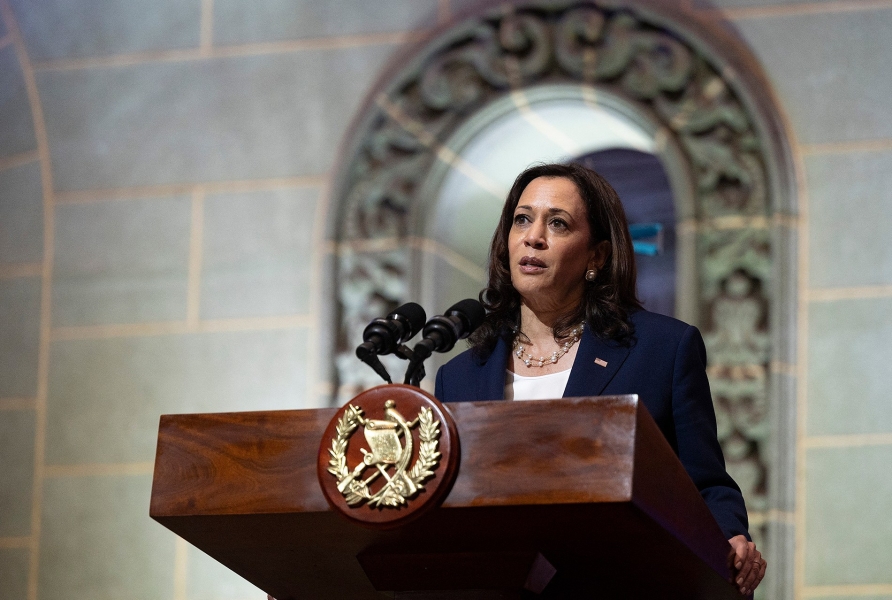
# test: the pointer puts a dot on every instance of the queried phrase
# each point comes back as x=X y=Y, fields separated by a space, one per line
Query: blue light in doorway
x=647 y=238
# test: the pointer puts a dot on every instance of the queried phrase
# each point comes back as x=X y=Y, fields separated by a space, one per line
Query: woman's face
x=549 y=244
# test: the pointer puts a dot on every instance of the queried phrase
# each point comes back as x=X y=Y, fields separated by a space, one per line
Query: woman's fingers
x=750 y=578
x=748 y=564
x=756 y=573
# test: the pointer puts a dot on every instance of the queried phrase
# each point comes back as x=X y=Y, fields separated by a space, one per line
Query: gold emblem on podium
x=389 y=453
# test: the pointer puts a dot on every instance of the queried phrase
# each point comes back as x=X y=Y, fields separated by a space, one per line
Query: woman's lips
x=531 y=264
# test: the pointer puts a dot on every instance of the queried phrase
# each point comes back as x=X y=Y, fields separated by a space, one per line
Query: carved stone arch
x=726 y=153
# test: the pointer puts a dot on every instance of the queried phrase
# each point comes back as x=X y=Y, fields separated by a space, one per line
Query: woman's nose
x=535 y=237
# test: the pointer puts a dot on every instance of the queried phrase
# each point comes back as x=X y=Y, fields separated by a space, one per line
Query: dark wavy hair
x=607 y=301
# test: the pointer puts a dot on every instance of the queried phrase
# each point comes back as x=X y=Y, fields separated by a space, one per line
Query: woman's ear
x=599 y=255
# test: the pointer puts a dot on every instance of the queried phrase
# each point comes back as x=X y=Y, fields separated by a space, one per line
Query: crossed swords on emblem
x=383 y=437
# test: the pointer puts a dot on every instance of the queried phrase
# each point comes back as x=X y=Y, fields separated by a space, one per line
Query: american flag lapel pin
x=600 y=362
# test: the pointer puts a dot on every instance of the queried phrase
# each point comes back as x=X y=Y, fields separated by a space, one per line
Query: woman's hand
x=747 y=564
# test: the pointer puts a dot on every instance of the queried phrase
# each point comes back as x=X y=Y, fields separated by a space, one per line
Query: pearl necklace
x=530 y=361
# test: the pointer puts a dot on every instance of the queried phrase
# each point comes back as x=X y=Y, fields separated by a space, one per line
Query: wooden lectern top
x=590 y=484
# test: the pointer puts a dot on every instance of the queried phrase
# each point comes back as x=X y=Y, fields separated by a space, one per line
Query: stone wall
x=164 y=177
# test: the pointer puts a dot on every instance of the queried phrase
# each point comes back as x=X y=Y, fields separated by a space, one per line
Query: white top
x=543 y=387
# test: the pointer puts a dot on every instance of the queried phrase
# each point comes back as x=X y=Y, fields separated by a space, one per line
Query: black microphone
x=384 y=336
x=441 y=333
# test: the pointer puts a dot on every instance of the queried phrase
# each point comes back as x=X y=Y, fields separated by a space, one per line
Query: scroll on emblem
x=390 y=443
x=405 y=454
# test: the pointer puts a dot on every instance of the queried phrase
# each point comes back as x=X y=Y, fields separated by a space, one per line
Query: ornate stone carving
x=372 y=284
x=633 y=57
x=739 y=352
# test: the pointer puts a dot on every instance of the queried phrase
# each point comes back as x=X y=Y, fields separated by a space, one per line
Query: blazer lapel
x=491 y=383
x=596 y=363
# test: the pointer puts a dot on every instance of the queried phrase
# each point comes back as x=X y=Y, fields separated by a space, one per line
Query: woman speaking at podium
x=564 y=321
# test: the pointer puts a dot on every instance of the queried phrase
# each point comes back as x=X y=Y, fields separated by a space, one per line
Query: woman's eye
x=559 y=224
x=520 y=219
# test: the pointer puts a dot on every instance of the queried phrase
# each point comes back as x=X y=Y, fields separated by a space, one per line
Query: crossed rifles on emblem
x=383 y=437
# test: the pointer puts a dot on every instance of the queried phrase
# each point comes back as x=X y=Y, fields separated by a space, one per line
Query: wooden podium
x=586 y=489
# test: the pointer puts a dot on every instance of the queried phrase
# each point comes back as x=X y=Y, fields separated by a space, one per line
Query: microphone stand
x=414 y=374
x=415 y=371
x=374 y=362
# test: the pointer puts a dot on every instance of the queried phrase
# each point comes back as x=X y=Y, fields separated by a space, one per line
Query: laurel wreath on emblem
x=403 y=483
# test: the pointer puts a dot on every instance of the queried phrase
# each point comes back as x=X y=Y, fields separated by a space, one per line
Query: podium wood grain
x=588 y=483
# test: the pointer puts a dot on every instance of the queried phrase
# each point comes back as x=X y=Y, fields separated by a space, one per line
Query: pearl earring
x=591 y=274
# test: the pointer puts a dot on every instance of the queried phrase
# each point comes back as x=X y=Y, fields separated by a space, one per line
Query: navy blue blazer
x=665 y=364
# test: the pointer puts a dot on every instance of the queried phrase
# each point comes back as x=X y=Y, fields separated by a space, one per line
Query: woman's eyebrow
x=551 y=211
x=555 y=211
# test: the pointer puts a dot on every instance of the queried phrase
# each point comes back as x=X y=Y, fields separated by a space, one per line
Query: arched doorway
x=402 y=226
